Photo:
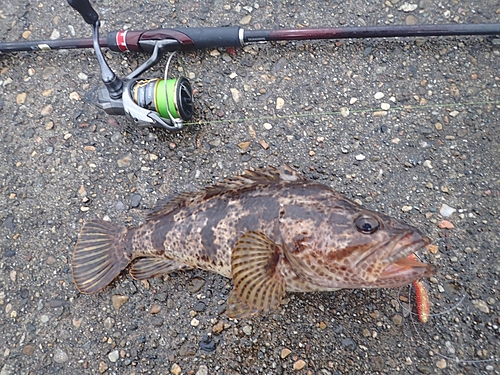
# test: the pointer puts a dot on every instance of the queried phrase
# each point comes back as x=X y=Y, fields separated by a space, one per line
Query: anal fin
x=258 y=282
x=146 y=268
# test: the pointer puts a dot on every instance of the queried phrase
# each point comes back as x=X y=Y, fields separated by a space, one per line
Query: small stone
x=379 y=95
x=246 y=20
x=353 y=100
x=195 y=322
x=155 y=309
x=102 y=367
x=285 y=352
x=344 y=111
x=55 y=34
x=233 y=75
x=433 y=249
x=445 y=224
x=135 y=200
x=21 y=98
x=406 y=208
x=411 y=20
x=247 y=330
x=264 y=144
x=322 y=325
x=446 y=210
x=124 y=161
x=235 y=94
x=267 y=126
x=454 y=113
x=438 y=126
x=74 y=96
x=299 y=365
x=60 y=356
x=379 y=113
x=109 y=322
x=175 y=369
x=48 y=71
x=77 y=322
x=113 y=356
x=441 y=364
x=280 y=102
x=482 y=306
x=397 y=319
x=406 y=7
x=385 y=106
x=218 y=328
x=83 y=76
x=195 y=284
x=119 y=301
x=427 y=164
x=47 y=110
x=29 y=350
x=360 y=157
x=26 y=34
x=44 y=318
x=244 y=145
x=202 y=370
x=214 y=53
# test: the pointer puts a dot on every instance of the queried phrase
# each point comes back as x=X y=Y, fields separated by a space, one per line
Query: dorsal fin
x=247 y=180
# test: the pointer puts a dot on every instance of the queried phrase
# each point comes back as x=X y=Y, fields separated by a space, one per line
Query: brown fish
x=270 y=230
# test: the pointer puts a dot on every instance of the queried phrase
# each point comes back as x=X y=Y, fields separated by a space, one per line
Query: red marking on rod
x=121 y=41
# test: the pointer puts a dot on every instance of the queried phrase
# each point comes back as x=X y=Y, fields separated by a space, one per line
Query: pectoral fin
x=258 y=283
x=146 y=268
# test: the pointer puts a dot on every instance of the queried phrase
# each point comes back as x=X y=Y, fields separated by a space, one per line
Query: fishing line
x=341 y=113
x=446 y=311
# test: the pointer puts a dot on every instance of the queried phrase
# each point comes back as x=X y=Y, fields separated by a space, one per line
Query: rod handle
x=85 y=9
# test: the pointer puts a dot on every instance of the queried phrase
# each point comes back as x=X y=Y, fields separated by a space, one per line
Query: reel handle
x=85 y=9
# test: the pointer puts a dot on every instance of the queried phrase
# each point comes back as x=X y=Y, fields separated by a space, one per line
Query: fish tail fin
x=100 y=255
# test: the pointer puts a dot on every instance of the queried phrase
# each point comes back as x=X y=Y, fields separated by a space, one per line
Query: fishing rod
x=168 y=102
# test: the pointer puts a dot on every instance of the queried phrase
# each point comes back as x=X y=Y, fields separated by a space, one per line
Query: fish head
x=335 y=243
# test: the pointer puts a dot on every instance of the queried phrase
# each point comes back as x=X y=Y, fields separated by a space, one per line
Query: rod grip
x=85 y=9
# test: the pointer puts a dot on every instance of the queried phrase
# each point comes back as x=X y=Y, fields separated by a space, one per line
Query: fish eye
x=366 y=224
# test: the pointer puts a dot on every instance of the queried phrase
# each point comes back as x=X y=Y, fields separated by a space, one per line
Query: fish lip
x=398 y=263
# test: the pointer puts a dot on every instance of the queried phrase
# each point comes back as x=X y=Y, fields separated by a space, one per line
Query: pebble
x=235 y=94
x=441 y=364
x=427 y=164
x=135 y=200
x=48 y=71
x=379 y=95
x=109 y=322
x=102 y=367
x=55 y=34
x=299 y=365
x=21 y=98
x=47 y=110
x=29 y=350
x=83 y=76
x=218 y=328
x=113 y=356
x=344 y=111
x=247 y=330
x=482 y=306
x=406 y=7
x=214 y=53
x=411 y=20
x=202 y=370
x=175 y=369
x=44 y=318
x=233 y=75
x=267 y=126
x=195 y=322
x=60 y=356
x=26 y=34
x=280 y=102
x=360 y=157
x=445 y=224
x=446 y=210
x=285 y=352
x=454 y=113
x=124 y=161
x=397 y=319
x=438 y=126
x=385 y=106
x=195 y=284
x=119 y=301
x=74 y=96
x=155 y=309
x=353 y=100
x=406 y=208
x=246 y=20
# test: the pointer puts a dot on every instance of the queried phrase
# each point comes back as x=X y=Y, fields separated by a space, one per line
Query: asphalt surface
x=63 y=161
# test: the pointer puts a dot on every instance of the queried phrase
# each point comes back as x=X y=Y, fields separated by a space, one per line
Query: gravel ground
x=407 y=127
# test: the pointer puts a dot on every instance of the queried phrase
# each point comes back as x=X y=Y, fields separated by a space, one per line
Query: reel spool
x=164 y=102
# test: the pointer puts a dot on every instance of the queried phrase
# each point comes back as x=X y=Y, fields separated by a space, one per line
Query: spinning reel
x=161 y=102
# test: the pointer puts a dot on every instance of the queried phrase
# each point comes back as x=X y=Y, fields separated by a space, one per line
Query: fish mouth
x=402 y=270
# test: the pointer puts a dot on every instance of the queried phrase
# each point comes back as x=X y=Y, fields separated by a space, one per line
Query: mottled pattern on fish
x=269 y=230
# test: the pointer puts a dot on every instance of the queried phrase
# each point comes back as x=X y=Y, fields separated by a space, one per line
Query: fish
x=271 y=230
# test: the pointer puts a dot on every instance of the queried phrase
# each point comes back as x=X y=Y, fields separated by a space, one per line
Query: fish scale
x=270 y=230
